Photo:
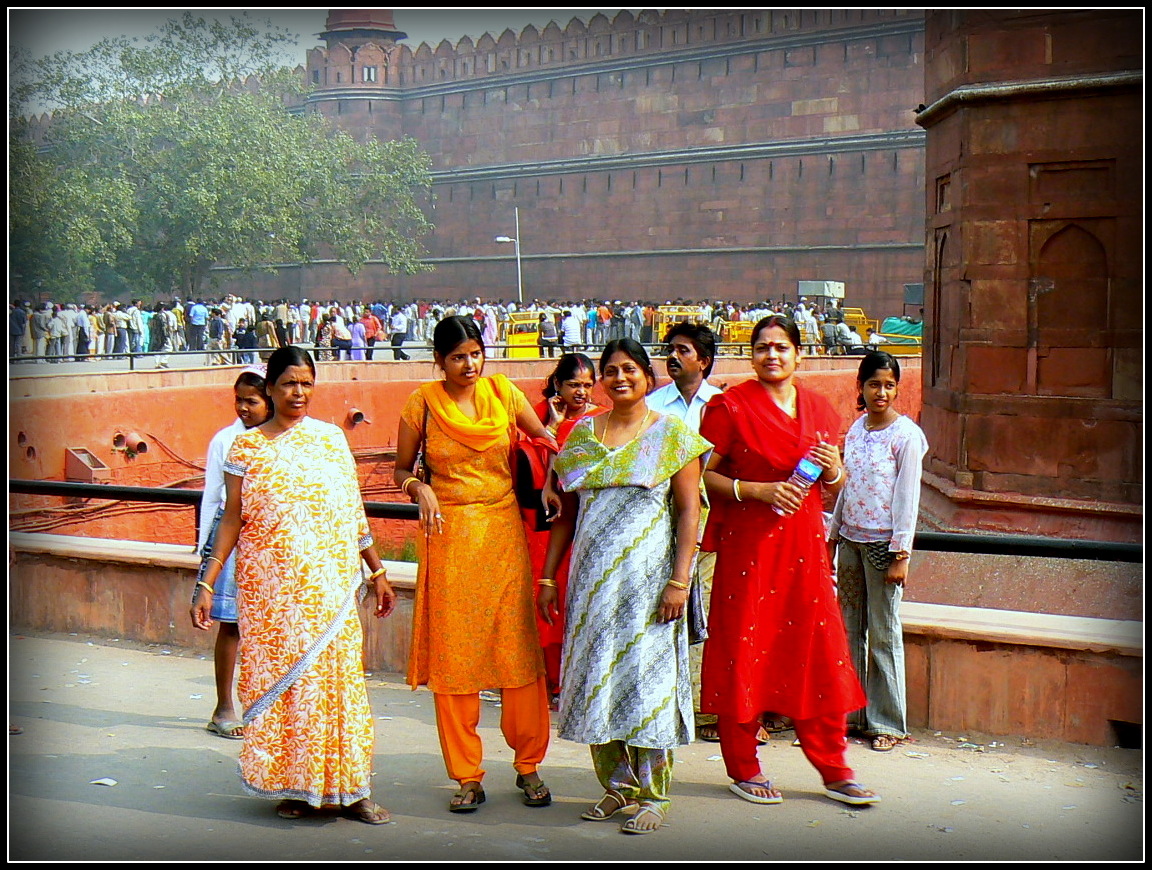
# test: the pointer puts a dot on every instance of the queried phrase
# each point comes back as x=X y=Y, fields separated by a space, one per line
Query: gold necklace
x=882 y=425
x=643 y=423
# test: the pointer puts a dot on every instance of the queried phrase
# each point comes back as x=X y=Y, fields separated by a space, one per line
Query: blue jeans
x=871 y=610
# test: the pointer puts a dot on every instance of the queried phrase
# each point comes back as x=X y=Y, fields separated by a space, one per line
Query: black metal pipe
x=941 y=542
x=165 y=495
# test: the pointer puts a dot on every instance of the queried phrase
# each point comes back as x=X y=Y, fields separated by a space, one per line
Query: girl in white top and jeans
x=874 y=522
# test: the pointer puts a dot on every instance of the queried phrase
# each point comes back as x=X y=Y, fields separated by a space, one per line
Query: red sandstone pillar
x=1034 y=310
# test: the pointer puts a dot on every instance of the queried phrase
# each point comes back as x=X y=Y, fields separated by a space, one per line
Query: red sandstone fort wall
x=177 y=413
x=696 y=154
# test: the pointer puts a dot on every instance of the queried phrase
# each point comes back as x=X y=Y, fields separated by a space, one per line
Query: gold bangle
x=546 y=581
x=217 y=561
x=404 y=485
x=839 y=476
x=900 y=556
x=204 y=585
x=381 y=571
x=675 y=585
x=736 y=489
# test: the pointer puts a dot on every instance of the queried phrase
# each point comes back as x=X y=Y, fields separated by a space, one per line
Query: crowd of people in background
x=233 y=330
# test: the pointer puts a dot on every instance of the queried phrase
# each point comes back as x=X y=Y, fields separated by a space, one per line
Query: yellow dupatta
x=492 y=423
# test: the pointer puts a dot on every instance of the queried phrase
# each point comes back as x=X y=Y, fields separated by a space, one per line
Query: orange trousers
x=523 y=721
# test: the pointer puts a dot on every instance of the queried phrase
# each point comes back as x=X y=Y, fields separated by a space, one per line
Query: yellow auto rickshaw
x=737 y=332
x=668 y=316
x=523 y=336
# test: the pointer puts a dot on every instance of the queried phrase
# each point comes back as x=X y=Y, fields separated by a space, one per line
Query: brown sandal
x=292 y=809
x=885 y=742
x=368 y=812
x=536 y=794
x=468 y=798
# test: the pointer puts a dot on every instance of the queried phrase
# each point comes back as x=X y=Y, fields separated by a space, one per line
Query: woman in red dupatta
x=776 y=640
x=567 y=400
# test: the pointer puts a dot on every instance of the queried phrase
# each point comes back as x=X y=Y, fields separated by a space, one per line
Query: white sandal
x=598 y=812
x=629 y=827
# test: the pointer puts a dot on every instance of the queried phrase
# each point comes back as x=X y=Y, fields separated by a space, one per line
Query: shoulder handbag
x=420 y=466
x=529 y=463
x=694 y=612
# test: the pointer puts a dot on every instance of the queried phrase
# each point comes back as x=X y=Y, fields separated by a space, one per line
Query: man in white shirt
x=398 y=327
x=571 y=331
x=691 y=353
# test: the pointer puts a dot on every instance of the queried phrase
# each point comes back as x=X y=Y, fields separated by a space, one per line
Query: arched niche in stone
x=1069 y=302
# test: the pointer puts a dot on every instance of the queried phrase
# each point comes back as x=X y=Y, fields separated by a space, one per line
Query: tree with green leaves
x=166 y=157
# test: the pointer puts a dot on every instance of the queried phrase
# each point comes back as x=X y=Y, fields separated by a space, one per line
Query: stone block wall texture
x=1033 y=284
x=695 y=154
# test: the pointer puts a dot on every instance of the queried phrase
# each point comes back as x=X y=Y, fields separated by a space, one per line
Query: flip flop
x=739 y=789
x=838 y=794
x=290 y=809
x=227 y=730
x=542 y=796
x=368 y=812
x=473 y=789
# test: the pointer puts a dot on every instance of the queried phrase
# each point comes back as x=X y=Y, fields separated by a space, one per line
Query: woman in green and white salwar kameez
x=631 y=507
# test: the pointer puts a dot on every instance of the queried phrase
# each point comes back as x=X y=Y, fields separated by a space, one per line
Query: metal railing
x=941 y=542
x=382 y=353
x=166 y=495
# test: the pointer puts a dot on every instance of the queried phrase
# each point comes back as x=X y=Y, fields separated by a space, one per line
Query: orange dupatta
x=492 y=422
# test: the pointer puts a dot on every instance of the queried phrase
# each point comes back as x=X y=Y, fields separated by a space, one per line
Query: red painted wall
x=177 y=413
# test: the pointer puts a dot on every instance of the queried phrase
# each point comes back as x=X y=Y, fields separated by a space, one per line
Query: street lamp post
x=516 y=242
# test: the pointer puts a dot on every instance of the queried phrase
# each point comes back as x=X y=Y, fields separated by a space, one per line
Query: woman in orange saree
x=294 y=512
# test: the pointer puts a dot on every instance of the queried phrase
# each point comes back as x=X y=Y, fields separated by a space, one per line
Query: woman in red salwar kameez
x=567 y=400
x=776 y=639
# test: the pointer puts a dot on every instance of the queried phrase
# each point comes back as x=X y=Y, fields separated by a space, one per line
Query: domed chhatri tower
x=726 y=154
x=351 y=75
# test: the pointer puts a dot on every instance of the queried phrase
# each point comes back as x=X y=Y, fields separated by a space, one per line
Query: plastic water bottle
x=807 y=473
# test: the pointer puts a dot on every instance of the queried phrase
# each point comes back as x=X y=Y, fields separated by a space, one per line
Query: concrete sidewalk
x=134 y=715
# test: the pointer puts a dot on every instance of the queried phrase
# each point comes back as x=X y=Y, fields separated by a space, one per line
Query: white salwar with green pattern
x=624 y=675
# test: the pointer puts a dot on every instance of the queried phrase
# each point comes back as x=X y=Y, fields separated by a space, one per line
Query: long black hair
x=452 y=331
x=566 y=369
x=283 y=358
x=786 y=323
x=634 y=351
x=249 y=378
x=874 y=361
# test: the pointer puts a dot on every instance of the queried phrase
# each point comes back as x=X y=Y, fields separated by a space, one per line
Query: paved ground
x=133 y=716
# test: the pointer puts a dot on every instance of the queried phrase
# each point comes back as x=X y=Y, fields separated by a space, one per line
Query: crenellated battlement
x=375 y=65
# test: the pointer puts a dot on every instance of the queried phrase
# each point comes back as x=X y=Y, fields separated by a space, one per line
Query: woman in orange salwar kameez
x=474 y=623
x=776 y=639
x=295 y=514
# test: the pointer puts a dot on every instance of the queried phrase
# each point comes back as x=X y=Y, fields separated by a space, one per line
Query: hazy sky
x=43 y=31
